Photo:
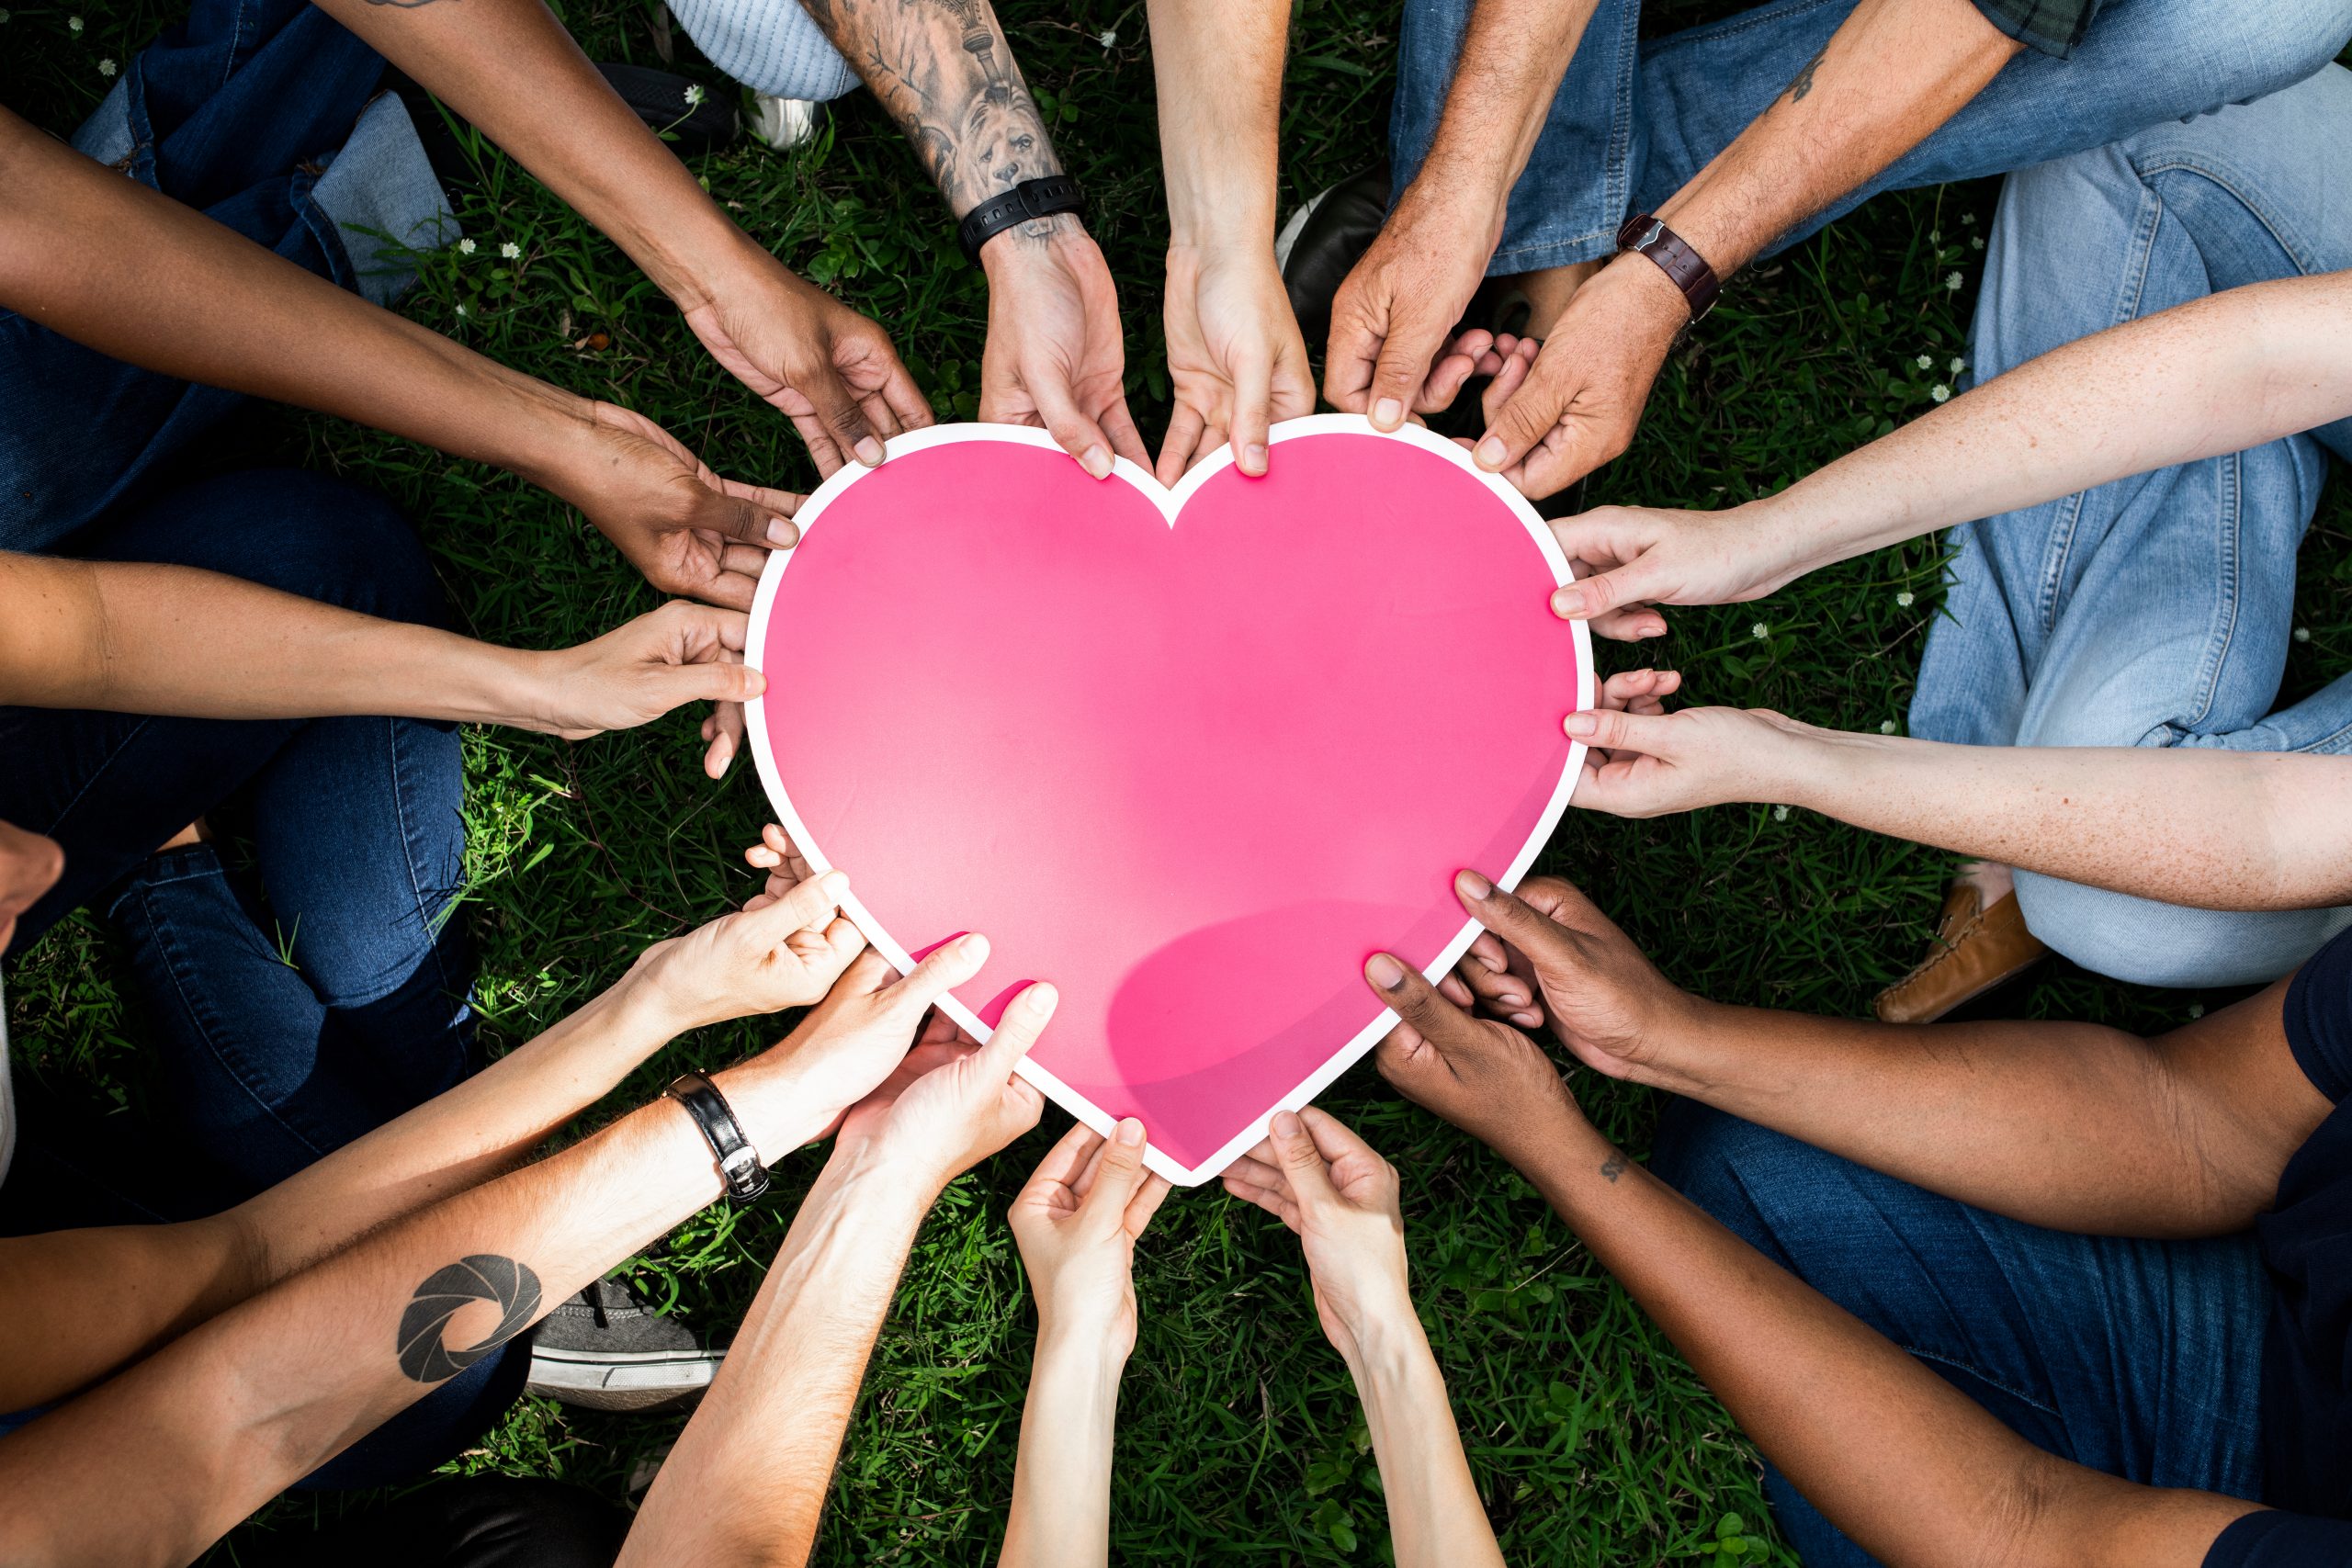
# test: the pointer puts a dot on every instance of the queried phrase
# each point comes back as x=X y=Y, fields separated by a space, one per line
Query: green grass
x=1240 y=1437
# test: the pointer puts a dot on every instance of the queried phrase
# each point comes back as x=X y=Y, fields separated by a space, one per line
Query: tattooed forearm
x=424 y=1353
x=1804 y=82
x=944 y=71
x=1615 y=1166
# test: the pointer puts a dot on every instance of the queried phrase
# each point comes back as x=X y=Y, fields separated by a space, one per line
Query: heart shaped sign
x=1193 y=755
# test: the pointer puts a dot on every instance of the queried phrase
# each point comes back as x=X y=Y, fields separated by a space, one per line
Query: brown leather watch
x=1685 y=267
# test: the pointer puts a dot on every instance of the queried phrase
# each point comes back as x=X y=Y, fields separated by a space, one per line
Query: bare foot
x=195 y=832
x=1992 y=882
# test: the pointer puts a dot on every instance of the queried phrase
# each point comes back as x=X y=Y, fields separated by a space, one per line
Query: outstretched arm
x=1893 y=72
x=1911 y=1468
x=1235 y=355
x=746 y=1483
x=92 y=1300
x=2221 y=373
x=1341 y=1198
x=110 y=264
x=1054 y=356
x=2215 y=830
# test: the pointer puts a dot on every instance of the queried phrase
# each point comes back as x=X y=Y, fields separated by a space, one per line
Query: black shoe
x=1323 y=242
x=605 y=1349
x=659 y=98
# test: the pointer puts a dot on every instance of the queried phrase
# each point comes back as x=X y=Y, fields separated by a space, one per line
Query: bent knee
x=2150 y=943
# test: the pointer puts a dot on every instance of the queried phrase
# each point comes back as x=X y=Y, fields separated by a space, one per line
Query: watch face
x=1650 y=234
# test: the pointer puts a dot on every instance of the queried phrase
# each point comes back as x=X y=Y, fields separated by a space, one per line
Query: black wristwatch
x=739 y=1162
x=1030 y=198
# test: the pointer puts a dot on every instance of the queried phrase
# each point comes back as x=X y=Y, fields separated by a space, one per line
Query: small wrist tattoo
x=480 y=1276
x=1613 y=1166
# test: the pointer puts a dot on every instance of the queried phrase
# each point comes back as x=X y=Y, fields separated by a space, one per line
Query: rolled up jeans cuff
x=770 y=46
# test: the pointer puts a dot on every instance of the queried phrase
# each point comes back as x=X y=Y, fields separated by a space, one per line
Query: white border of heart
x=1169 y=502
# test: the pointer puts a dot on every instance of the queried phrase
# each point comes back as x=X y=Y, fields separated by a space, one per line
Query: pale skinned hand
x=1075 y=1223
x=1658 y=762
x=637 y=671
x=1389 y=355
x=777 y=855
x=688 y=531
x=1055 y=357
x=856 y=1041
x=949 y=1105
x=1605 y=1002
x=1235 y=359
x=30 y=865
x=1632 y=557
x=832 y=371
x=1342 y=1200
x=1577 y=405
x=786 y=954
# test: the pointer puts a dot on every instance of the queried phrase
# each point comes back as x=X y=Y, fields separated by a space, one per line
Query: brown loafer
x=1975 y=948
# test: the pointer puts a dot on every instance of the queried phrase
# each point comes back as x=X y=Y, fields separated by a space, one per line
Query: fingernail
x=1386 y=971
x=1286 y=1124
x=869 y=452
x=1511 y=998
x=1131 y=1132
x=973 y=946
x=1473 y=885
x=1569 y=603
x=1096 y=461
x=1579 y=723
x=1254 y=458
x=782 y=534
x=1041 y=998
x=1491 y=454
x=1389 y=413
x=1529 y=1020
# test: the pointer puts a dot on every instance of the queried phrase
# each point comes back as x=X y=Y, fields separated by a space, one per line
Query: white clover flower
x=1976 y=242
x=1951 y=283
x=2303 y=633
x=1886 y=727
x=106 y=67
x=462 y=311
x=1925 y=361
x=511 y=251
x=694 y=95
x=1968 y=218
x=1760 y=631
x=465 y=247
x=1902 y=599
x=2197 y=1009
x=1108 y=39
x=74 y=23
x=1940 y=392
x=1934 y=236
x=4 y=16
x=1958 y=365
x=1779 y=814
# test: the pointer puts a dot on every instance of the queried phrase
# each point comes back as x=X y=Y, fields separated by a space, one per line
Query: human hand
x=1055 y=357
x=1388 y=353
x=639 y=671
x=1075 y=1223
x=1341 y=1198
x=688 y=531
x=1632 y=557
x=785 y=953
x=1652 y=762
x=30 y=865
x=776 y=854
x=1551 y=422
x=1235 y=359
x=951 y=1103
x=832 y=371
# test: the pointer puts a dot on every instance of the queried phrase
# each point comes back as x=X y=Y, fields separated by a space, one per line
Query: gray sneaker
x=606 y=1349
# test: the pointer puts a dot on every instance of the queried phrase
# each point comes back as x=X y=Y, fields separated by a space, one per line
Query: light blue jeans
x=770 y=46
x=1633 y=120
x=2154 y=611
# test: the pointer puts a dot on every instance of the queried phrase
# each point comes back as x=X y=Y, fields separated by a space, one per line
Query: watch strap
x=739 y=1162
x=1040 y=197
x=1685 y=267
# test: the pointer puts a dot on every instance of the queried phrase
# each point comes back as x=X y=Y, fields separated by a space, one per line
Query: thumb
x=1304 y=1171
x=844 y=420
x=1024 y=1020
x=1614 y=729
x=1543 y=943
x=1117 y=1175
x=941 y=970
x=1638 y=581
x=745 y=514
x=1403 y=366
x=1524 y=419
x=674 y=685
x=807 y=906
x=1071 y=430
x=1253 y=395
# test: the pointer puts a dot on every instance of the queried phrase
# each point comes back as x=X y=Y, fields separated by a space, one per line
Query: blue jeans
x=1634 y=121
x=2142 y=1359
x=258 y=114
x=2154 y=611
x=292 y=1009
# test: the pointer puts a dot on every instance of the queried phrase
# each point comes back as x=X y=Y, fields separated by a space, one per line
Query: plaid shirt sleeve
x=2053 y=27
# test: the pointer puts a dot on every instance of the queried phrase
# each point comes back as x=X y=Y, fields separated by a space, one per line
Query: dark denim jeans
x=295 y=1010
x=1634 y=119
x=2142 y=1359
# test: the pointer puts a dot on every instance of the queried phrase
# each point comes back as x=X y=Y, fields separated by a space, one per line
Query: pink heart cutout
x=1193 y=755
